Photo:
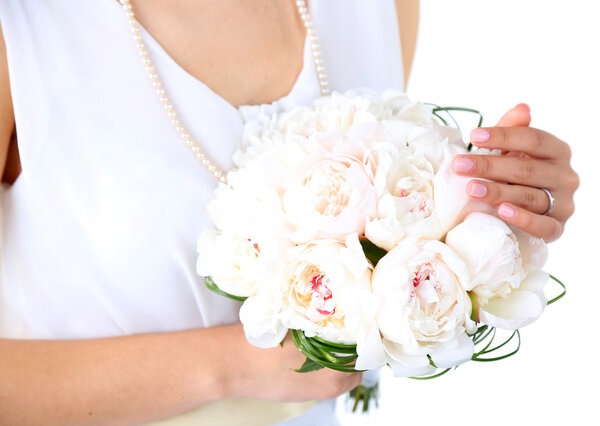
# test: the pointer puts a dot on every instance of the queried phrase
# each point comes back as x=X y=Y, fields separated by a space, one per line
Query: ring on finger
x=551 y=200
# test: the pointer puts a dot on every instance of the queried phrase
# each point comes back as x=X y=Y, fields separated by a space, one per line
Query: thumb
x=520 y=115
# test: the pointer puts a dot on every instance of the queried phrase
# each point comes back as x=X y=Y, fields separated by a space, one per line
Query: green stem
x=503 y=356
x=212 y=286
x=431 y=377
x=560 y=296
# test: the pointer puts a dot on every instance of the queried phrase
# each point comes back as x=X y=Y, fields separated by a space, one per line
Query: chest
x=247 y=52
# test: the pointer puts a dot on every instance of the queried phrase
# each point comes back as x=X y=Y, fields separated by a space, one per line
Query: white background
x=491 y=55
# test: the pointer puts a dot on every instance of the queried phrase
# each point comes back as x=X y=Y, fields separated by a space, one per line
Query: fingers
x=545 y=227
x=520 y=115
x=518 y=170
x=352 y=380
x=330 y=384
x=533 y=199
x=534 y=142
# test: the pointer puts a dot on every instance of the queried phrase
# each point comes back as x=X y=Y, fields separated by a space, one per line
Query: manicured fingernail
x=480 y=135
x=463 y=164
x=477 y=190
x=507 y=211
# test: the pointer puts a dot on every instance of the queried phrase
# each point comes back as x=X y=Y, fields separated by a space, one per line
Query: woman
x=103 y=318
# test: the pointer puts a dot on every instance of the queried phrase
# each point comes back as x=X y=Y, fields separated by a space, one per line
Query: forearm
x=120 y=380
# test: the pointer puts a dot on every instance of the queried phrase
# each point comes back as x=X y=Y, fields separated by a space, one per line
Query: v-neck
x=303 y=76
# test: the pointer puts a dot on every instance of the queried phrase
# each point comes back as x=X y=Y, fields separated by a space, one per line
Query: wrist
x=233 y=366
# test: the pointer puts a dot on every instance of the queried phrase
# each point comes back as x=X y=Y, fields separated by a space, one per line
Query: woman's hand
x=269 y=374
x=531 y=159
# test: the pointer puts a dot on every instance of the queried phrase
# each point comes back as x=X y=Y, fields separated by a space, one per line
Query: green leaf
x=437 y=110
x=431 y=377
x=560 y=296
x=372 y=252
x=498 y=358
x=484 y=335
x=212 y=286
x=431 y=361
x=493 y=331
x=309 y=365
x=487 y=351
x=321 y=352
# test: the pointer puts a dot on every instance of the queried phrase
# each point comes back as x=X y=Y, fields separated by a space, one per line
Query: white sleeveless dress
x=100 y=228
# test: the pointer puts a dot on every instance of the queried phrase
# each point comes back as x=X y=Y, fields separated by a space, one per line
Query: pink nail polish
x=463 y=164
x=477 y=190
x=480 y=135
x=507 y=211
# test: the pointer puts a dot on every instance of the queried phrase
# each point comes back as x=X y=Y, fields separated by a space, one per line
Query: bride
x=103 y=319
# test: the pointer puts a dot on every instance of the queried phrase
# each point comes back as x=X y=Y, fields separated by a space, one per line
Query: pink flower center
x=424 y=274
x=255 y=247
x=403 y=193
x=321 y=298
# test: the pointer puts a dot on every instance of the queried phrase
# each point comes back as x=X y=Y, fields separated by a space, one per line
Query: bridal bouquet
x=344 y=224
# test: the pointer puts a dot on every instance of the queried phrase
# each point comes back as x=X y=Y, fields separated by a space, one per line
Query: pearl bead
x=170 y=110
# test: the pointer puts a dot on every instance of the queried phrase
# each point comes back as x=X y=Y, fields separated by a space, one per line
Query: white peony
x=323 y=290
x=415 y=197
x=504 y=268
x=331 y=199
x=238 y=263
x=250 y=236
x=425 y=309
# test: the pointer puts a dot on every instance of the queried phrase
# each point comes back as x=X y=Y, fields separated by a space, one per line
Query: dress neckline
x=302 y=79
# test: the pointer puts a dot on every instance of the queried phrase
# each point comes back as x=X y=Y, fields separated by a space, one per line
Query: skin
x=134 y=379
x=531 y=159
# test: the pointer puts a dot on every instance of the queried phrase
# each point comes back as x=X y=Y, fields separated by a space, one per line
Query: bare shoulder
x=408 y=23
x=7 y=118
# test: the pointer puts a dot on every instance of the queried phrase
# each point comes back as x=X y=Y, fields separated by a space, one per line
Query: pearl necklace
x=198 y=152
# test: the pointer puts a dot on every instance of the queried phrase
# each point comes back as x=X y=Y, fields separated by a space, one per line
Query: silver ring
x=551 y=199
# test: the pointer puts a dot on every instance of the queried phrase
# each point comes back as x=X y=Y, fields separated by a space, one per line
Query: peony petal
x=261 y=324
x=404 y=365
x=435 y=144
x=454 y=262
x=401 y=370
x=453 y=353
x=535 y=282
x=370 y=350
x=534 y=250
x=514 y=311
x=478 y=238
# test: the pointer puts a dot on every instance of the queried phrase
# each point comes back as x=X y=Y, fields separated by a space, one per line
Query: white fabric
x=100 y=227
